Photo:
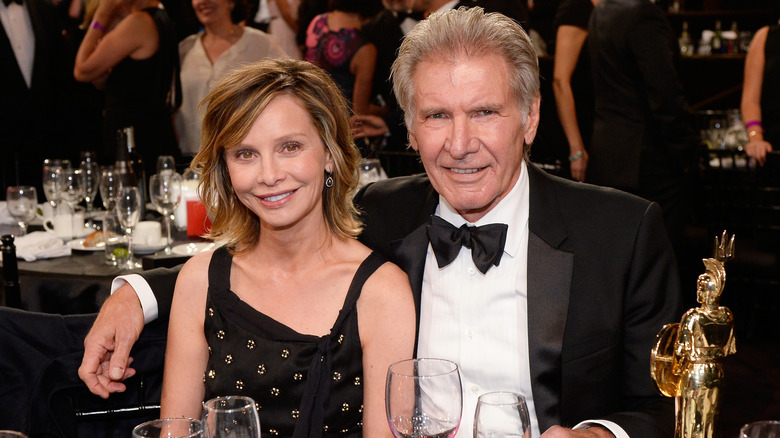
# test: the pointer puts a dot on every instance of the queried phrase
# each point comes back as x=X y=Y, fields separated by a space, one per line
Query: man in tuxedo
x=643 y=139
x=531 y=283
x=36 y=86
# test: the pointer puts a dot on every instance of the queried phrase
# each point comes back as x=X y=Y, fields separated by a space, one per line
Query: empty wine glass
x=501 y=415
x=109 y=187
x=423 y=398
x=52 y=180
x=72 y=189
x=230 y=417
x=128 y=210
x=169 y=428
x=166 y=164
x=165 y=193
x=22 y=201
x=91 y=172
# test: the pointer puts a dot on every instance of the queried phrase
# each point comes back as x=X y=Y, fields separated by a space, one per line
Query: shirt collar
x=512 y=210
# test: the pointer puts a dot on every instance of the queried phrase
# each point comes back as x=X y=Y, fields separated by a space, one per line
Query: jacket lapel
x=549 y=285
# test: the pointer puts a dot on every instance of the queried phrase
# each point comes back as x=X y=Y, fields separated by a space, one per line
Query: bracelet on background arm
x=575 y=157
x=752 y=123
x=96 y=25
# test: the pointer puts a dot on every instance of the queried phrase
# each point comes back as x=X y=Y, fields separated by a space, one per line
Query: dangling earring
x=329 y=180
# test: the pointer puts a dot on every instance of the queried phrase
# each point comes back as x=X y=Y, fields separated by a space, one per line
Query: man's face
x=470 y=131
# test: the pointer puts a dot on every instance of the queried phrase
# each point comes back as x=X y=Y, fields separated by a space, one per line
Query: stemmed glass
x=91 y=171
x=128 y=210
x=22 y=202
x=501 y=414
x=169 y=428
x=166 y=164
x=165 y=193
x=230 y=417
x=423 y=398
x=52 y=179
x=72 y=189
x=109 y=187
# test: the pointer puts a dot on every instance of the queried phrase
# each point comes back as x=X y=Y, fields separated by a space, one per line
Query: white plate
x=149 y=249
x=78 y=245
x=193 y=248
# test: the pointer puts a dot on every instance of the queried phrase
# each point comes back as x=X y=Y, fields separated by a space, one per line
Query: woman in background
x=130 y=48
x=222 y=45
x=761 y=93
x=335 y=43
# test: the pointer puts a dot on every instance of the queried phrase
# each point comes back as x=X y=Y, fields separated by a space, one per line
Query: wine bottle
x=716 y=43
x=11 y=288
x=128 y=164
x=686 y=45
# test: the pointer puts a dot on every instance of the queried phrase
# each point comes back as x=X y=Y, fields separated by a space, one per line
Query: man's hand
x=107 y=345
x=592 y=432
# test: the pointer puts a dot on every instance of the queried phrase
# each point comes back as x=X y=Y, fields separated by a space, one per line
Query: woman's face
x=278 y=170
x=212 y=11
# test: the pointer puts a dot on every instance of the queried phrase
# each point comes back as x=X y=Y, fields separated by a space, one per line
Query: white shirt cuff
x=144 y=292
x=614 y=428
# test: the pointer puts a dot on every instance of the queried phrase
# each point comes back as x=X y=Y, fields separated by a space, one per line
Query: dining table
x=80 y=282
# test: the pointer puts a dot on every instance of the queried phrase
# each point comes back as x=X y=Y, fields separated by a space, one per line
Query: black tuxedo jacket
x=602 y=281
x=643 y=125
x=35 y=121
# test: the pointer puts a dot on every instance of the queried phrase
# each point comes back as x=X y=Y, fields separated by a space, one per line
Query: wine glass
x=91 y=171
x=128 y=210
x=501 y=414
x=52 y=179
x=230 y=417
x=166 y=164
x=22 y=201
x=72 y=189
x=169 y=428
x=109 y=187
x=760 y=429
x=423 y=398
x=165 y=193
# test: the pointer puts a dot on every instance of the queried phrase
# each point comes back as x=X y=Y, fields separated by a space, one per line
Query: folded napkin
x=40 y=245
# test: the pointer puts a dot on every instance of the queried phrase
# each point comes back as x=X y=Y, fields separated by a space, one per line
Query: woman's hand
x=758 y=149
x=579 y=165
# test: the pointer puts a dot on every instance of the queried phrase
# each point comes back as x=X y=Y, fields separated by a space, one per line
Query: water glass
x=165 y=193
x=52 y=179
x=22 y=202
x=501 y=414
x=73 y=183
x=128 y=210
x=760 y=429
x=230 y=417
x=423 y=398
x=115 y=240
x=169 y=428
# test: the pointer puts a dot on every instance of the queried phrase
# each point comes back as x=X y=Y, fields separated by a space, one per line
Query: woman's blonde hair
x=231 y=109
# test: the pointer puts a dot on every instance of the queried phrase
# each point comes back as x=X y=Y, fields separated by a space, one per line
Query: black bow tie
x=8 y=2
x=486 y=242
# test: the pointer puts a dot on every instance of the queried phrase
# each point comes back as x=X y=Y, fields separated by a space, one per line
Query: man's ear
x=532 y=120
x=413 y=141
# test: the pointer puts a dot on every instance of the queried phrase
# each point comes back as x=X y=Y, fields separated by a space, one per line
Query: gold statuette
x=685 y=361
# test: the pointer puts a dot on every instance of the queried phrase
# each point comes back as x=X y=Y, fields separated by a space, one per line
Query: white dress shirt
x=18 y=27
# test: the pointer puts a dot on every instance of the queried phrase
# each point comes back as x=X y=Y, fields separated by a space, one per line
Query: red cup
x=198 y=222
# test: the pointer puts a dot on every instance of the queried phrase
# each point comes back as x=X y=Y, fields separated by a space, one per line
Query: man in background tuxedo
x=36 y=87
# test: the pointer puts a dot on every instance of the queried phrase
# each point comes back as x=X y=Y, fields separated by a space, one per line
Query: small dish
x=193 y=248
x=78 y=245
x=149 y=249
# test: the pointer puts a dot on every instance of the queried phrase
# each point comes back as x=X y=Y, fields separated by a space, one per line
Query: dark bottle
x=11 y=289
x=129 y=164
x=717 y=39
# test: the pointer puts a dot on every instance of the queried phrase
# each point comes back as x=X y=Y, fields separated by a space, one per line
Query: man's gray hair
x=446 y=36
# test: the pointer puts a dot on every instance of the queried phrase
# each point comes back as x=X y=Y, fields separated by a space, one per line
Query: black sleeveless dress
x=304 y=385
x=143 y=93
x=770 y=88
